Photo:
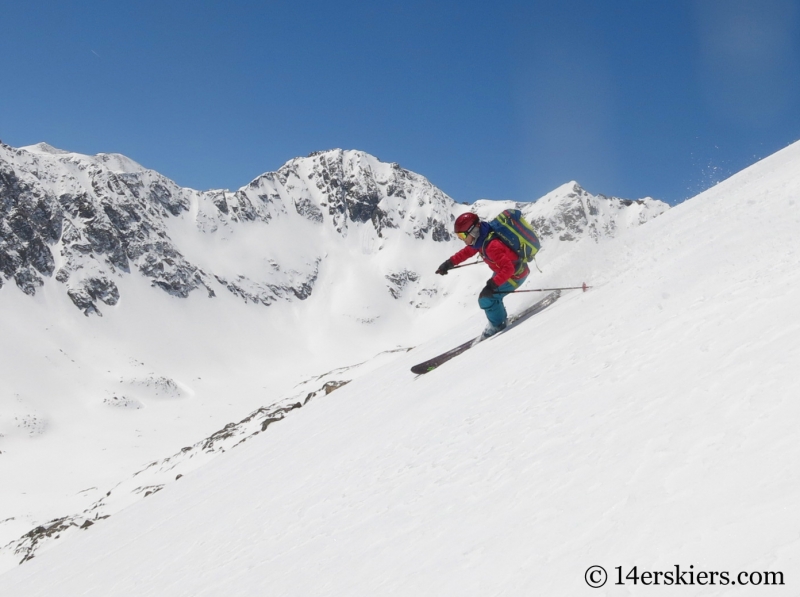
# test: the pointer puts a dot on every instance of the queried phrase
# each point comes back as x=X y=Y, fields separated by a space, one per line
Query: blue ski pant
x=493 y=305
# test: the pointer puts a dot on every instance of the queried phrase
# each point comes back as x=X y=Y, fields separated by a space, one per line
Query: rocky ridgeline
x=89 y=220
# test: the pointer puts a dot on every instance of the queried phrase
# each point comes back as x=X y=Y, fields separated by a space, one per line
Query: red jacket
x=502 y=260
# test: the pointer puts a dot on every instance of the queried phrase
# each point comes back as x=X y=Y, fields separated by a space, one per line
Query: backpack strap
x=486 y=241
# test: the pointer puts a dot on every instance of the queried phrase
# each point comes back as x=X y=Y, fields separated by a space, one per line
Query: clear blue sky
x=499 y=100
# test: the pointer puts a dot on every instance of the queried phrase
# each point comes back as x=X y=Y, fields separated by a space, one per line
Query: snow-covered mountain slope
x=650 y=422
x=139 y=317
x=160 y=473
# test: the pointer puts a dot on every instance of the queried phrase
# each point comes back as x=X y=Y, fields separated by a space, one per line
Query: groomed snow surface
x=649 y=422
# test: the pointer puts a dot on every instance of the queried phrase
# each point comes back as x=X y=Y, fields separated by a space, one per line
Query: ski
x=514 y=320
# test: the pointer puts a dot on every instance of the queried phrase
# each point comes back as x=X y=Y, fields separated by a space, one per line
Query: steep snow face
x=650 y=422
x=159 y=474
x=197 y=308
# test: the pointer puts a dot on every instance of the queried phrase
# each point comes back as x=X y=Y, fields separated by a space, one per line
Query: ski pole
x=466 y=264
x=584 y=288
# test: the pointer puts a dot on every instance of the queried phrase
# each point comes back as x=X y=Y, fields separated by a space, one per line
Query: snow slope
x=138 y=318
x=650 y=422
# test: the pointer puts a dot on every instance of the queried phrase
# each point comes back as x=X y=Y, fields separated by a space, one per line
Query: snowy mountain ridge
x=106 y=215
x=87 y=220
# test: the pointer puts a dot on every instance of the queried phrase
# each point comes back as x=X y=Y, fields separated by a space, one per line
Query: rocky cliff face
x=75 y=217
x=347 y=188
x=86 y=221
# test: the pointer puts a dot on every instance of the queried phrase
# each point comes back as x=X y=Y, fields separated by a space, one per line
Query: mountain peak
x=570 y=187
x=44 y=148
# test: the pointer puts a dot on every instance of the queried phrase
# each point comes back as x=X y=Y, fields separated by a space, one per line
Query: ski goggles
x=464 y=235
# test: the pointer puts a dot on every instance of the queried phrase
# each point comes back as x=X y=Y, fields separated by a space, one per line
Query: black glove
x=444 y=268
x=488 y=290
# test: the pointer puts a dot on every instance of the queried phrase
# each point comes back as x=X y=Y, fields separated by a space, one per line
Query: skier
x=509 y=270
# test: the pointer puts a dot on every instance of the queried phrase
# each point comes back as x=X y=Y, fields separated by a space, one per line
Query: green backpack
x=517 y=233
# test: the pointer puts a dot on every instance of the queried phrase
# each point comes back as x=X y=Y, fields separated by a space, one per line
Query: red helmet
x=465 y=223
